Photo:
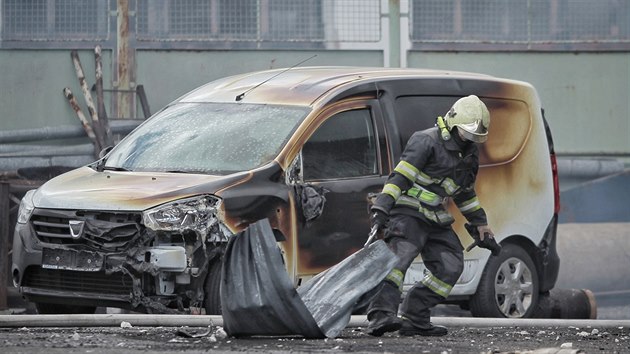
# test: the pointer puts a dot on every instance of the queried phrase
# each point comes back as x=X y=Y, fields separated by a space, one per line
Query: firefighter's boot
x=383 y=310
x=428 y=330
x=382 y=322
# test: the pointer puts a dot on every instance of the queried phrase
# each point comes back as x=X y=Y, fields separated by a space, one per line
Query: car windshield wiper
x=115 y=168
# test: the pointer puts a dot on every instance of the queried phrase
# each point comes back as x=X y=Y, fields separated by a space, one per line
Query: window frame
x=377 y=126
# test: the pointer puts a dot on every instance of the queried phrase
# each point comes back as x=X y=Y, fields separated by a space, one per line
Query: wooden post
x=125 y=56
x=4 y=243
x=100 y=101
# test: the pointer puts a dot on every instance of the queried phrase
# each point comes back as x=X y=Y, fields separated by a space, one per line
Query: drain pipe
x=141 y=320
x=575 y=171
x=588 y=168
x=62 y=132
x=45 y=150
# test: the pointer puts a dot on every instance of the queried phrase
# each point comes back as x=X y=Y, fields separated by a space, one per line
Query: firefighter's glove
x=488 y=241
x=378 y=218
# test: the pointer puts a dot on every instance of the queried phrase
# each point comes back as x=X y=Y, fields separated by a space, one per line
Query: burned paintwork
x=303 y=150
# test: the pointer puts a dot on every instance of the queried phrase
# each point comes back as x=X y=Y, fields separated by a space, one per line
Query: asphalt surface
x=471 y=335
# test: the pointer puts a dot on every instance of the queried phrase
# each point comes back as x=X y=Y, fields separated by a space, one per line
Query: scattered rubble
x=492 y=340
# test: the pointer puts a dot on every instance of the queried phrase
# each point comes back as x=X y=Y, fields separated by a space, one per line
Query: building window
x=54 y=20
x=524 y=24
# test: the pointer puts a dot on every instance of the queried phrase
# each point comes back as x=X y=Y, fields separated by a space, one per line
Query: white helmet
x=471 y=117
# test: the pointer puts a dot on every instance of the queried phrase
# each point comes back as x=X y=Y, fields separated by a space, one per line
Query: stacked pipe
x=17 y=150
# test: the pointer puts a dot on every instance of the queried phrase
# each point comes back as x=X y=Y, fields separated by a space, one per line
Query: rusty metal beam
x=96 y=126
x=84 y=122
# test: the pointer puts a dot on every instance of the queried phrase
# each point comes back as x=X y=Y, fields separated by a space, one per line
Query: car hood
x=87 y=189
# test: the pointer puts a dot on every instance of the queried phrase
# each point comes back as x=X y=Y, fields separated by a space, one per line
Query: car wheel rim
x=513 y=288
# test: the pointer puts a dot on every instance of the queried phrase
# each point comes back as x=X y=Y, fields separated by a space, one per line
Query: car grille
x=114 y=233
x=72 y=281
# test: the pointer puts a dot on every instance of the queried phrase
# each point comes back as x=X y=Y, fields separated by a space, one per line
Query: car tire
x=57 y=309
x=508 y=287
x=212 y=295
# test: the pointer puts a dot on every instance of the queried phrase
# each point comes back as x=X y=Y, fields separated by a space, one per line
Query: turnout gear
x=432 y=170
x=443 y=259
x=471 y=117
x=436 y=167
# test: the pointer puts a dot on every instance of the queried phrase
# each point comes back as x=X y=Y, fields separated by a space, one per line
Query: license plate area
x=85 y=261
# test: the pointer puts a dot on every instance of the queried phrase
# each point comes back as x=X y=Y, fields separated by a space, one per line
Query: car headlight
x=26 y=207
x=196 y=214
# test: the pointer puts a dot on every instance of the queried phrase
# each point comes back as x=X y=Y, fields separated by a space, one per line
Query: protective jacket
x=432 y=170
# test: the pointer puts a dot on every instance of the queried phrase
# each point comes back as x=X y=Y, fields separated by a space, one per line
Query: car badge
x=76 y=228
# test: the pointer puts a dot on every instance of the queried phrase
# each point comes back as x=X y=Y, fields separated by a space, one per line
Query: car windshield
x=213 y=138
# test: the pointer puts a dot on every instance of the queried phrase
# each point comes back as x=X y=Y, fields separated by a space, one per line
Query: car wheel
x=508 y=286
x=55 y=309
x=212 y=296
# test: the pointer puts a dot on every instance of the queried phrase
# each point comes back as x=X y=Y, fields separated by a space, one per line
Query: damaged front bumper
x=153 y=261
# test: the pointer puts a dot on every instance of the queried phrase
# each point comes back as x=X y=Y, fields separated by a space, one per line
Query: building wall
x=167 y=75
x=32 y=83
x=585 y=95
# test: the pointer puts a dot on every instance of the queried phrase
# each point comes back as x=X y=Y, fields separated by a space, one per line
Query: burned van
x=144 y=228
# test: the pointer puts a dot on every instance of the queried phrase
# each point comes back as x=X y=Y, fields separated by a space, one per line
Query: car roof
x=305 y=85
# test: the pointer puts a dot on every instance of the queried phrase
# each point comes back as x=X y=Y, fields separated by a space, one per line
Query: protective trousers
x=442 y=254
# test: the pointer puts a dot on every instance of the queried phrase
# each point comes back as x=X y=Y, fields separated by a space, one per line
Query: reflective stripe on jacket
x=430 y=171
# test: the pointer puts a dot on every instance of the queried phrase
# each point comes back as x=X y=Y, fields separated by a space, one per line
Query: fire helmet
x=471 y=117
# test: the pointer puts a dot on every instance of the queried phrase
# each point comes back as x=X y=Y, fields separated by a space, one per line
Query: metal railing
x=525 y=24
x=437 y=24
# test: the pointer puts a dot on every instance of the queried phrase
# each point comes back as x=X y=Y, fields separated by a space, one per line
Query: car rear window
x=510 y=123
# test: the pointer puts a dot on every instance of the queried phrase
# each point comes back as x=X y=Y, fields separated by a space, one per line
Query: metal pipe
x=109 y=320
x=588 y=168
x=84 y=122
x=594 y=154
x=14 y=163
x=142 y=320
x=8 y=148
x=394 y=33
x=96 y=125
x=142 y=96
x=48 y=150
x=361 y=321
x=61 y=132
x=100 y=100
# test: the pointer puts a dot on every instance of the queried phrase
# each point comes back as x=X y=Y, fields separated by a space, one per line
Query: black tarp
x=258 y=298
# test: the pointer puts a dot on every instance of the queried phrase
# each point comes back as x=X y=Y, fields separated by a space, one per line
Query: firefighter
x=437 y=164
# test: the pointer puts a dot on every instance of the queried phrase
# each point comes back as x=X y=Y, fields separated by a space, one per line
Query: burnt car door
x=341 y=165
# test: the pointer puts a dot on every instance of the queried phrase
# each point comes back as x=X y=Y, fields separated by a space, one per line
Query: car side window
x=343 y=146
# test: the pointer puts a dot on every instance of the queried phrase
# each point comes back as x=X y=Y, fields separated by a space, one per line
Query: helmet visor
x=474 y=132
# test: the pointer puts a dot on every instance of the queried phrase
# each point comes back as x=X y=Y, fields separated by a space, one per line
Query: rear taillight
x=556 y=184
